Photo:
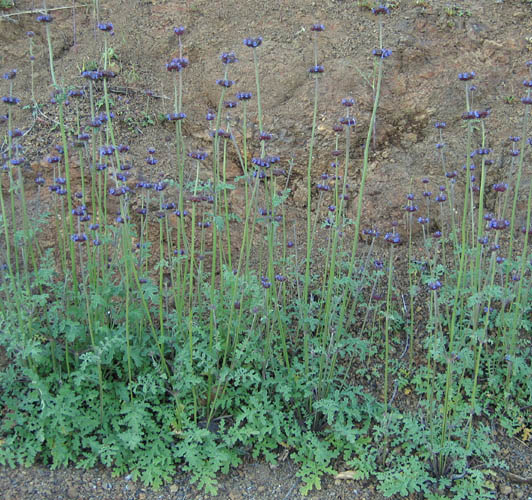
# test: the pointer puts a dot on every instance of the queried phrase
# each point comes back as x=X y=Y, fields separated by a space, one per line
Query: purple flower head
x=76 y=93
x=477 y=114
x=451 y=175
x=392 y=238
x=79 y=238
x=260 y=162
x=466 y=76
x=527 y=83
x=93 y=75
x=289 y=244
x=230 y=104
x=228 y=58
x=317 y=69
x=526 y=100
x=177 y=64
x=45 y=18
x=410 y=196
x=39 y=181
x=514 y=138
x=225 y=83
x=265 y=136
x=437 y=234
x=95 y=123
x=441 y=198
x=253 y=42
x=53 y=159
x=79 y=211
x=108 y=27
x=198 y=155
x=220 y=133
x=374 y=233
x=382 y=53
x=423 y=220
x=317 y=28
x=338 y=128
x=151 y=160
x=499 y=224
x=348 y=121
x=381 y=9
x=481 y=151
x=172 y=117
x=10 y=75
x=411 y=208
x=348 y=102
x=500 y=187
x=16 y=132
x=179 y=30
x=107 y=150
x=244 y=96
x=434 y=285
x=440 y=124
x=122 y=177
x=30 y=34
x=10 y=100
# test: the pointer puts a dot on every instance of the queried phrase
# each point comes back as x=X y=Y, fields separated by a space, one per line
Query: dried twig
x=39 y=11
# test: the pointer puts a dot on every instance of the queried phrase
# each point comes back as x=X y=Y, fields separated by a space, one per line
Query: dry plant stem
x=39 y=11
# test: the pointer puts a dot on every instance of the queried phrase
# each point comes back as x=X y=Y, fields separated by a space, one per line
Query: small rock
x=72 y=492
x=235 y=495
x=173 y=488
x=506 y=490
x=261 y=489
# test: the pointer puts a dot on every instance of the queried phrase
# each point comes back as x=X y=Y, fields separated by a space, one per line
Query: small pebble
x=506 y=490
